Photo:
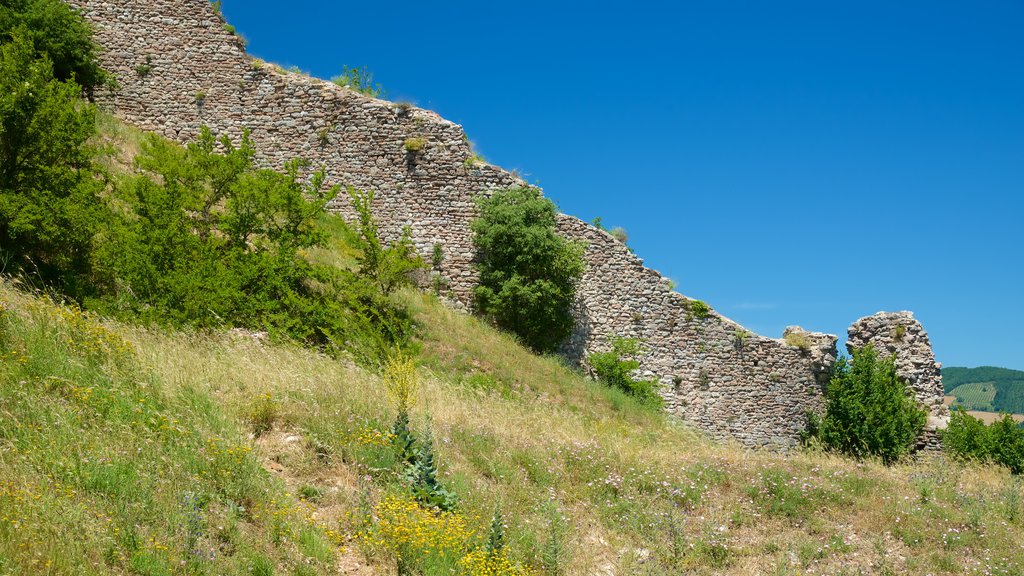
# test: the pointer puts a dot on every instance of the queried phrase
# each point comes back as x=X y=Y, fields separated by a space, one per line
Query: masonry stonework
x=179 y=68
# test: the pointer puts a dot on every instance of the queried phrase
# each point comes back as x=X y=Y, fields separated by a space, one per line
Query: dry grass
x=589 y=481
x=625 y=486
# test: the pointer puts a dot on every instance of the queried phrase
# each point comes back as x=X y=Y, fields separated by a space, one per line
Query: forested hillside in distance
x=986 y=388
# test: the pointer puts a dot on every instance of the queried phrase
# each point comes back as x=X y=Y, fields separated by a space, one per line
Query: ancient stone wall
x=179 y=68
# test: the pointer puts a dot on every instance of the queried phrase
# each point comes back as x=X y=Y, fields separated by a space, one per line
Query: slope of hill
x=986 y=388
x=126 y=449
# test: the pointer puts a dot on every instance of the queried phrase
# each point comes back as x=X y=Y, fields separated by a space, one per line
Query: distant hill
x=986 y=388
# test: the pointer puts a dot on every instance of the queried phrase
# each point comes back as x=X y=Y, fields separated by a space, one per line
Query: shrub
x=262 y=414
x=869 y=411
x=620 y=234
x=387 y=267
x=699 y=309
x=414 y=145
x=1001 y=442
x=49 y=205
x=615 y=368
x=360 y=80
x=56 y=33
x=528 y=273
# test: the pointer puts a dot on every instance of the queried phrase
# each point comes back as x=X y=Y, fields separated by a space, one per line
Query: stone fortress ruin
x=179 y=67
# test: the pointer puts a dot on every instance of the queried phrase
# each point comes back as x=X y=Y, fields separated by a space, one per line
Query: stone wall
x=180 y=68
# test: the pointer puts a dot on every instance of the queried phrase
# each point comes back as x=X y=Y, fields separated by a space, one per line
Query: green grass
x=107 y=467
x=140 y=450
x=109 y=452
x=975 y=396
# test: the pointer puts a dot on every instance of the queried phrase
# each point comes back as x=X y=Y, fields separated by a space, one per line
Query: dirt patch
x=331 y=492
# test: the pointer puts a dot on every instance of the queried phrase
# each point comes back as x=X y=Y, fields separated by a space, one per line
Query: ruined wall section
x=728 y=381
x=179 y=68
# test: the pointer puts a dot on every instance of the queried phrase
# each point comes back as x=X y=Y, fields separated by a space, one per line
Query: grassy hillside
x=986 y=388
x=134 y=450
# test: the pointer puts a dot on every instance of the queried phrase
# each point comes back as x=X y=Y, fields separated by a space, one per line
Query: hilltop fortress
x=179 y=67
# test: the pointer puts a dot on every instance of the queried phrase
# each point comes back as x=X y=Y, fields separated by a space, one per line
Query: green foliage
x=360 y=80
x=1001 y=442
x=954 y=376
x=528 y=273
x=496 y=535
x=620 y=234
x=49 y=204
x=698 y=309
x=55 y=33
x=402 y=438
x=414 y=145
x=869 y=411
x=615 y=368
x=387 y=267
x=207 y=239
x=422 y=478
x=1007 y=384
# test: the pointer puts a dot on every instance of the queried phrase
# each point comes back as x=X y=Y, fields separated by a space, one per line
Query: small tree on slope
x=869 y=411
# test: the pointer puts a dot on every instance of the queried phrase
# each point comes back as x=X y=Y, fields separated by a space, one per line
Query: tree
x=528 y=273
x=57 y=33
x=869 y=411
x=49 y=203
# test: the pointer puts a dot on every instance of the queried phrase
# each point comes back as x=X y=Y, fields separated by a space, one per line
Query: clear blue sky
x=788 y=162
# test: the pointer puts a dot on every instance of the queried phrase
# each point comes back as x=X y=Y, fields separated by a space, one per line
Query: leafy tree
x=615 y=368
x=966 y=436
x=56 y=33
x=869 y=411
x=528 y=273
x=49 y=205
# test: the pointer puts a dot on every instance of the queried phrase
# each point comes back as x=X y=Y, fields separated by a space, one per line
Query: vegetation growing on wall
x=528 y=273
x=360 y=80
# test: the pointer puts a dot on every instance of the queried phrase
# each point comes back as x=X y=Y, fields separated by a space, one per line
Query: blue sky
x=788 y=162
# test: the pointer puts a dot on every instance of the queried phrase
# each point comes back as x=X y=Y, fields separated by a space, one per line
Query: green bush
x=869 y=411
x=56 y=33
x=1001 y=442
x=528 y=273
x=360 y=80
x=615 y=368
x=204 y=239
x=388 y=267
x=49 y=204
